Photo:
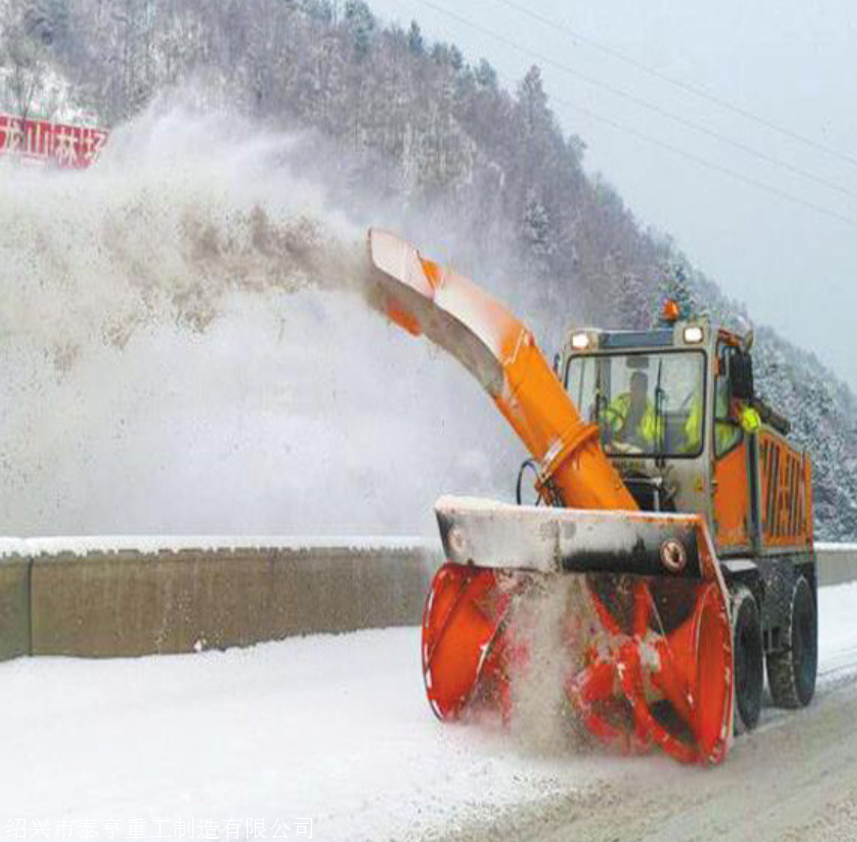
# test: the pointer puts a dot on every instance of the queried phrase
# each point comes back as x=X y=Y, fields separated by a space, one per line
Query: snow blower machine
x=672 y=518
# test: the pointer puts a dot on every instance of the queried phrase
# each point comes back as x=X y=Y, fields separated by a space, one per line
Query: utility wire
x=675 y=150
x=704 y=162
x=591 y=80
x=687 y=87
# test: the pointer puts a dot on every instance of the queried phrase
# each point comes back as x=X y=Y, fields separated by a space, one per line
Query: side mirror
x=741 y=372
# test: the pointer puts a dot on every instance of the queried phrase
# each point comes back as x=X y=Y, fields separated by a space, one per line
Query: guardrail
x=136 y=596
x=110 y=597
x=837 y=563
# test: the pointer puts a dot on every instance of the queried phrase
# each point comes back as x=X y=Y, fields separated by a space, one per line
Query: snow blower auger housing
x=677 y=529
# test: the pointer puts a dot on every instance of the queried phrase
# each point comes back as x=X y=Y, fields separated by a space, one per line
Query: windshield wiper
x=660 y=425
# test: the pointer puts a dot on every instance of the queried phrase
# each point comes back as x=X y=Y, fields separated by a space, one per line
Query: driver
x=631 y=415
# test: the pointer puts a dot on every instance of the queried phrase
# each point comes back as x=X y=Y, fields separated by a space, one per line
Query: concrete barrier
x=138 y=596
x=132 y=603
x=837 y=563
x=14 y=606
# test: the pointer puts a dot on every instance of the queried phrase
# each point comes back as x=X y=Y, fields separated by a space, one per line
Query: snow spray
x=183 y=352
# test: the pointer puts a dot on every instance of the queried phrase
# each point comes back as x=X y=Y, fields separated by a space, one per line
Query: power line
x=733 y=174
x=683 y=153
x=663 y=112
x=696 y=159
x=687 y=87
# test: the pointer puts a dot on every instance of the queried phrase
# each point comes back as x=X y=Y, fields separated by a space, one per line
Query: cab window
x=644 y=404
x=728 y=433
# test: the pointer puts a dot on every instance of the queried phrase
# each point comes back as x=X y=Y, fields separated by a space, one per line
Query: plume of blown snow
x=184 y=352
x=551 y=626
x=182 y=211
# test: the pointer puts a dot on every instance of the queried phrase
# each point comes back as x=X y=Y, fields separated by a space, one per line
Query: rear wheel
x=749 y=661
x=792 y=673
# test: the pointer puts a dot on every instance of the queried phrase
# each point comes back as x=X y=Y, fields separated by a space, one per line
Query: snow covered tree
x=361 y=24
x=456 y=58
x=320 y=10
x=677 y=284
x=633 y=303
x=23 y=38
x=533 y=101
x=486 y=75
x=416 y=42
x=536 y=227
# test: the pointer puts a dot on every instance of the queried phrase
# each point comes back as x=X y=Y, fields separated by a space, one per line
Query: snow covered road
x=336 y=730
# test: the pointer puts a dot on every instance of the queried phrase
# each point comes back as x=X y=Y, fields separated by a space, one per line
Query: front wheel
x=792 y=673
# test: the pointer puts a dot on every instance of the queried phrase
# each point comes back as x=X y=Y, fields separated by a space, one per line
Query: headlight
x=693 y=334
x=579 y=341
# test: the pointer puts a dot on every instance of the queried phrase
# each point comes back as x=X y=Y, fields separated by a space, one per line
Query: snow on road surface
x=837 y=629
x=332 y=728
x=335 y=728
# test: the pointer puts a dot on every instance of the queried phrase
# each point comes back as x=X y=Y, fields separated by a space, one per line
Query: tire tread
x=782 y=670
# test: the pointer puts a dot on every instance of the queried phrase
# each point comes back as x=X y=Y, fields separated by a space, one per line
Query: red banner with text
x=66 y=147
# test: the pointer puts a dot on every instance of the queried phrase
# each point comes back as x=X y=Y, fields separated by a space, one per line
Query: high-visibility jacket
x=748 y=418
x=693 y=428
x=647 y=426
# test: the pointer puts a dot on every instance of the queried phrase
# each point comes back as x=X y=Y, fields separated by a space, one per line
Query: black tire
x=792 y=672
x=749 y=660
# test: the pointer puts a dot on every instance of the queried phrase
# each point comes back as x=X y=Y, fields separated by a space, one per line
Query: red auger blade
x=653 y=669
x=649 y=654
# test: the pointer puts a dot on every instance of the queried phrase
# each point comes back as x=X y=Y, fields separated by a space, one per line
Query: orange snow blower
x=662 y=639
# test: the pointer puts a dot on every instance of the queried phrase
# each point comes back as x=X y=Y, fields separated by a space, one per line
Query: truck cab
x=678 y=416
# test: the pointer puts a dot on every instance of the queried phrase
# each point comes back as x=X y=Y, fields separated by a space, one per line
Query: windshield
x=649 y=404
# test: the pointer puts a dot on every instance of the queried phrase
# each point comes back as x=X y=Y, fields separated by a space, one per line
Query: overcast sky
x=790 y=62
